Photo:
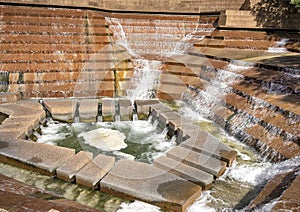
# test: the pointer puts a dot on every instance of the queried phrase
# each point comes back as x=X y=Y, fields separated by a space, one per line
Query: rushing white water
x=280 y=48
x=145 y=80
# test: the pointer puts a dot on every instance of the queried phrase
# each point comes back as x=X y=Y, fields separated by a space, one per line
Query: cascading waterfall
x=4 y=81
x=146 y=75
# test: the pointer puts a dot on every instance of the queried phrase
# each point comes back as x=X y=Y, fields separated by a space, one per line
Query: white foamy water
x=138 y=206
x=280 y=48
x=104 y=139
x=145 y=80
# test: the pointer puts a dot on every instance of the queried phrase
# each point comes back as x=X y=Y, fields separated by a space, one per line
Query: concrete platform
x=143 y=108
x=108 y=109
x=135 y=180
x=9 y=97
x=34 y=156
x=94 y=171
x=88 y=110
x=198 y=160
x=22 y=111
x=158 y=108
x=210 y=145
x=11 y=135
x=187 y=131
x=164 y=118
x=126 y=109
x=184 y=171
x=68 y=170
x=61 y=109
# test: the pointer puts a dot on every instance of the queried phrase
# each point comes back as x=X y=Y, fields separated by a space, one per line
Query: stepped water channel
x=205 y=130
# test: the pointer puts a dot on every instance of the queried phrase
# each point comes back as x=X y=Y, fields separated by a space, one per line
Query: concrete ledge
x=198 y=160
x=184 y=171
x=135 y=180
x=68 y=170
x=208 y=144
x=94 y=171
x=88 y=110
x=126 y=109
x=143 y=108
x=35 y=156
x=108 y=109
x=61 y=109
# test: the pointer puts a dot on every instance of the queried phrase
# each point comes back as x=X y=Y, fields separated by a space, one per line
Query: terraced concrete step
x=198 y=160
x=6 y=135
x=269 y=116
x=9 y=97
x=135 y=180
x=70 y=168
x=287 y=102
x=61 y=109
x=95 y=170
x=35 y=156
x=20 y=110
x=211 y=146
x=287 y=149
x=184 y=171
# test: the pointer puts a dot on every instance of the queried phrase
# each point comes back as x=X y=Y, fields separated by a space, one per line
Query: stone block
x=210 y=145
x=186 y=131
x=143 y=107
x=61 y=109
x=108 y=109
x=88 y=110
x=125 y=109
x=69 y=169
x=34 y=156
x=184 y=171
x=158 y=108
x=198 y=160
x=135 y=180
x=94 y=171
x=11 y=135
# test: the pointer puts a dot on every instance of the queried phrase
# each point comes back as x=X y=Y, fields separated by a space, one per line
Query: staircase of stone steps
x=253 y=109
x=57 y=53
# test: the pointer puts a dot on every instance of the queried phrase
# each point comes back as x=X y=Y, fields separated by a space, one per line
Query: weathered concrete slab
x=126 y=109
x=11 y=135
x=164 y=118
x=143 y=108
x=142 y=181
x=108 y=109
x=159 y=108
x=198 y=160
x=11 y=121
x=210 y=145
x=68 y=170
x=94 y=171
x=184 y=171
x=88 y=110
x=27 y=128
x=186 y=131
x=35 y=156
x=174 y=124
x=21 y=111
x=61 y=109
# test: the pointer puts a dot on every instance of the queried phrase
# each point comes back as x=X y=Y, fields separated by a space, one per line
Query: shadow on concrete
x=290 y=61
x=276 y=14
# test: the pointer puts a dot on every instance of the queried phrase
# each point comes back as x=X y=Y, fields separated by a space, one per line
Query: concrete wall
x=184 y=6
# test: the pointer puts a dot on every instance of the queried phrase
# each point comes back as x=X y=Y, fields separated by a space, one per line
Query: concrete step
x=211 y=146
x=135 y=180
x=197 y=160
x=272 y=145
x=94 y=171
x=34 y=156
x=88 y=110
x=61 y=109
x=184 y=171
x=70 y=168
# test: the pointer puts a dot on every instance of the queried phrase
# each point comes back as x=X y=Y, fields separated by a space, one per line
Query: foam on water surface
x=105 y=139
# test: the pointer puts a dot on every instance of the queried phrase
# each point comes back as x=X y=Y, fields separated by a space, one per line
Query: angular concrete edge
x=69 y=169
x=34 y=156
x=135 y=180
x=184 y=171
x=197 y=160
x=207 y=144
x=95 y=170
x=61 y=109
x=88 y=110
